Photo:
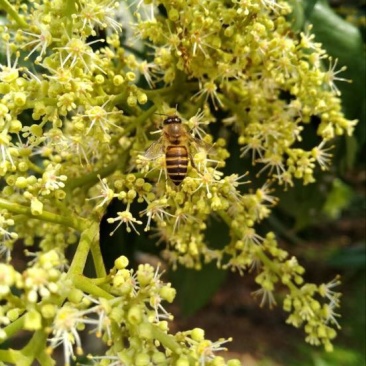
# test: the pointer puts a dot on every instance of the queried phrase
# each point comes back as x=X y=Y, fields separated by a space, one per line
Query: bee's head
x=172 y=119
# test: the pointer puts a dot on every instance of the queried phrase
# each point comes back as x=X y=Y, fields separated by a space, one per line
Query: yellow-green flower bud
x=131 y=194
x=125 y=358
x=32 y=320
x=173 y=14
x=142 y=98
x=322 y=332
x=163 y=325
x=75 y=296
x=328 y=346
x=99 y=79
x=121 y=262
x=216 y=203
x=167 y=293
x=158 y=358
x=134 y=315
x=142 y=359
x=20 y=99
x=331 y=333
x=23 y=166
x=118 y=184
x=60 y=194
x=36 y=206
x=132 y=100
x=198 y=334
x=229 y=31
x=122 y=195
x=11 y=179
x=7 y=191
x=118 y=80
x=36 y=130
x=48 y=311
x=218 y=361
x=15 y=126
x=145 y=331
x=130 y=76
x=4 y=89
x=182 y=361
x=145 y=274
x=13 y=314
x=234 y=362
x=139 y=182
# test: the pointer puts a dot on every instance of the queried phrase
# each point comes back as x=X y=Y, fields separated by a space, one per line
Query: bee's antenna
x=168 y=115
x=161 y=114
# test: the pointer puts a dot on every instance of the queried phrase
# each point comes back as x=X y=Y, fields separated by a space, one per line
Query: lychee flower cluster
x=82 y=87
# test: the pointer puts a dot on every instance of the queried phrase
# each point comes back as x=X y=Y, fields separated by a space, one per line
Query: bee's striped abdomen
x=176 y=158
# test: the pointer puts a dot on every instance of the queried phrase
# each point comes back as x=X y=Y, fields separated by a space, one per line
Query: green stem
x=102 y=280
x=260 y=254
x=14 y=357
x=14 y=327
x=44 y=358
x=274 y=268
x=69 y=10
x=171 y=90
x=36 y=344
x=35 y=167
x=267 y=261
x=8 y=8
x=140 y=120
x=69 y=220
x=167 y=340
x=86 y=285
x=82 y=251
x=88 y=180
x=97 y=258
x=284 y=231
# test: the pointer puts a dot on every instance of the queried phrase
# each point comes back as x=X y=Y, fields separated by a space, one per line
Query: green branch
x=88 y=180
x=87 y=237
x=69 y=10
x=8 y=8
x=36 y=345
x=86 y=285
x=14 y=327
x=97 y=257
x=11 y=356
x=70 y=220
x=268 y=263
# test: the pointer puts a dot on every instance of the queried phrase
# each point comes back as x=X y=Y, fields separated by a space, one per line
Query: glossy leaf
x=343 y=41
x=196 y=288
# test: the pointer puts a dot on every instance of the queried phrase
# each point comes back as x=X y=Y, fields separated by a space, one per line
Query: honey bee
x=177 y=144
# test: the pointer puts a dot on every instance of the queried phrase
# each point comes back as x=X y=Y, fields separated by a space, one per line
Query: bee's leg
x=193 y=164
x=192 y=161
x=166 y=178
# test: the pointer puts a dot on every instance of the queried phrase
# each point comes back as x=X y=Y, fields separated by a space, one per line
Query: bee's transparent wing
x=155 y=150
x=197 y=144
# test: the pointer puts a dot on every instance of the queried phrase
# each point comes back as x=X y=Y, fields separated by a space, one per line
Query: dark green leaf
x=196 y=288
x=309 y=7
x=343 y=41
x=338 y=198
x=302 y=203
x=354 y=258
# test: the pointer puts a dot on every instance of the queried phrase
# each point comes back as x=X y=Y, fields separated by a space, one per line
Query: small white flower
x=124 y=217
